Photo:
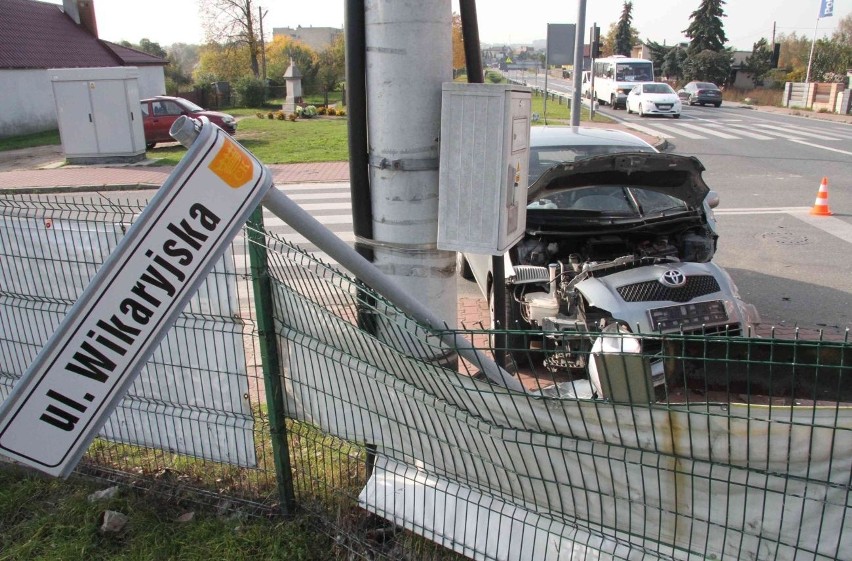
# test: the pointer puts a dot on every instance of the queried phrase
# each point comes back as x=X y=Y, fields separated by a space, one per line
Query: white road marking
x=711 y=132
x=343 y=196
x=746 y=134
x=818 y=146
x=646 y=130
x=681 y=132
x=763 y=210
x=798 y=133
x=828 y=224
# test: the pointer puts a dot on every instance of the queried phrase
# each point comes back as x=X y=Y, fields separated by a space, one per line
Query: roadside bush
x=251 y=91
x=322 y=110
x=291 y=116
x=270 y=115
x=332 y=111
x=260 y=115
x=280 y=115
x=493 y=77
x=341 y=112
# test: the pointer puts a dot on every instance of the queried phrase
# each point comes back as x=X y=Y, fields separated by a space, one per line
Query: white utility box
x=99 y=114
x=485 y=152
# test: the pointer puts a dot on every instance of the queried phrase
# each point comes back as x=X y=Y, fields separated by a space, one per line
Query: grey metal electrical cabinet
x=99 y=114
x=482 y=189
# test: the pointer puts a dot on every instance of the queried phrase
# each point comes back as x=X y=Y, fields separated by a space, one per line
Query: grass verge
x=30 y=140
x=43 y=518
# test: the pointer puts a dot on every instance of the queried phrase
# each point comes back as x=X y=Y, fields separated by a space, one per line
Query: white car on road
x=653 y=98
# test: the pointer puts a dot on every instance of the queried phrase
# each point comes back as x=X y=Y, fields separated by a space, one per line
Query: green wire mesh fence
x=646 y=446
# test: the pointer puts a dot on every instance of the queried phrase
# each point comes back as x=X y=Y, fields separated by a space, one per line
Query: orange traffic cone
x=821 y=203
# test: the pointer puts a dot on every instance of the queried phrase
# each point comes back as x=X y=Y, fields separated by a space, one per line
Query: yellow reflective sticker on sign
x=232 y=165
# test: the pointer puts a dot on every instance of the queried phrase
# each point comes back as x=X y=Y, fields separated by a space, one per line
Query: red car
x=158 y=114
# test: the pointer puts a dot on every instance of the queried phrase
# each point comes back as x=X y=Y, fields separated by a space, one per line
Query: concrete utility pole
x=578 y=63
x=409 y=56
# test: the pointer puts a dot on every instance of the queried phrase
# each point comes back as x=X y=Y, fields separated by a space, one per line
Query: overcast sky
x=500 y=21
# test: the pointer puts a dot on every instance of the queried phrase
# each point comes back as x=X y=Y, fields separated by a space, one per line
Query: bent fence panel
x=460 y=461
x=190 y=396
x=741 y=449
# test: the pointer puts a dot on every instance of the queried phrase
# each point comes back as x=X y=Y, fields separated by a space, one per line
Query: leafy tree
x=184 y=56
x=623 y=36
x=221 y=63
x=279 y=53
x=705 y=29
x=843 y=33
x=608 y=41
x=830 y=61
x=708 y=66
x=175 y=77
x=234 y=22
x=458 y=45
x=657 y=54
x=673 y=65
x=331 y=66
x=759 y=64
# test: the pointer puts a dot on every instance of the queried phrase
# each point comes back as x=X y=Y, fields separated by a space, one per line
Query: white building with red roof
x=37 y=36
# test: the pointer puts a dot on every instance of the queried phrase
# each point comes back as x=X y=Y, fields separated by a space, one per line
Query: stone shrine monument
x=293 y=79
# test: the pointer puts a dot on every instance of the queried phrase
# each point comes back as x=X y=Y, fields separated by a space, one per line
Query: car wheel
x=717 y=105
x=463 y=267
x=676 y=115
x=629 y=111
x=641 y=112
x=517 y=344
x=150 y=145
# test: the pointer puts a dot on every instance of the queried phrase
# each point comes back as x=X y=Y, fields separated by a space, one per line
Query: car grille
x=651 y=291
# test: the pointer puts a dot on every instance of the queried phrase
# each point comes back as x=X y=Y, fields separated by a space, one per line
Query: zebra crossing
x=734 y=129
x=323 y=201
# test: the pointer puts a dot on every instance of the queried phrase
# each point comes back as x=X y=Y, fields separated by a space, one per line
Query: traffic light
x=776 y=52
x=595 y=41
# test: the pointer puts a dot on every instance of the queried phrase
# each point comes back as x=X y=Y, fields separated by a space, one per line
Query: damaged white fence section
x=89 y=363
x=495 y=474
x=191 y=396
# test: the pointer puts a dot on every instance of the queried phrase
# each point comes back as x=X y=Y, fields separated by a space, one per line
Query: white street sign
x=86 y=367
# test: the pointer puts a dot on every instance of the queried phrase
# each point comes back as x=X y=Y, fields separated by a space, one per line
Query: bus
x=615 y=76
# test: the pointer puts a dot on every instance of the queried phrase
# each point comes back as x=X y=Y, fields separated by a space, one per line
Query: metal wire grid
x=744 y=450
x=202 y=390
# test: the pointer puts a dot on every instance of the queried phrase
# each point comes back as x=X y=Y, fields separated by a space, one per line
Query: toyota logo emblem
x=673 y=278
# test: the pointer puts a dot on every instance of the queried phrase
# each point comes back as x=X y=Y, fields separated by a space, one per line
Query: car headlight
x=228 y=120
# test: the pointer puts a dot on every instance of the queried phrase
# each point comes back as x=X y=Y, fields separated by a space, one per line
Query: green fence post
x=270 y=360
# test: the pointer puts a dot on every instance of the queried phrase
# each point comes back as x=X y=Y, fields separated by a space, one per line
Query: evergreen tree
x=657 y=53
x=760 y=62
x=623 y=36
x=705 y=29
x=708 y=66
x=672 y=67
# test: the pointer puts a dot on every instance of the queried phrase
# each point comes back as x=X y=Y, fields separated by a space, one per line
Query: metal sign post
x=85 y=369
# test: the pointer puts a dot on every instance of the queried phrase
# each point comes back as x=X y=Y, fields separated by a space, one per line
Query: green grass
x=30 y=140
x=43 y=518
x=321 y=139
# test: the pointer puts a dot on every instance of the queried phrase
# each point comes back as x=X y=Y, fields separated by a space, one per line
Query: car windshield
x=657 y=88
x=191 y=106
x=611 y=200
x=633 y=71
x=542 y=158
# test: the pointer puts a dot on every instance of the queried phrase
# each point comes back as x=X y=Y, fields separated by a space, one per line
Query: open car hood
x=677 y=176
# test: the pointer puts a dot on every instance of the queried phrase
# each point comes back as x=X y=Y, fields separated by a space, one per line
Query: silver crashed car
x=621 y=240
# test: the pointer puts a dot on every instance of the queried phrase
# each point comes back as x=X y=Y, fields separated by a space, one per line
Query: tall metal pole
x=811 y=56
x=579 y=39
x=409 y=57
x=260 y=15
